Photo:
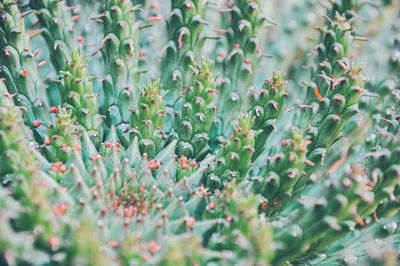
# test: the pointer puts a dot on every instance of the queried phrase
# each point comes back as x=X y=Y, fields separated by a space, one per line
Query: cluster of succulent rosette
x=145 y=132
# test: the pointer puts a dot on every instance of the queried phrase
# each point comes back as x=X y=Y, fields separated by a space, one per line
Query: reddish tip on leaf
x=156 y=18
x=337 y=164
x=36 y=123
x=276 y=202
x=236 y=46
x=74 y=18
x=53 y=109
x=80 y=39
x=220 y=31
x=99 y=182
x=247 y=61
x=317 y=93
x=32 y=31
x=386 y=120
x=346 y=140
x=47 y=142
x=376 y=218
x=24 y=73
x=368 y=188
x=42 y=63
x=113 y=243
x=359 y=220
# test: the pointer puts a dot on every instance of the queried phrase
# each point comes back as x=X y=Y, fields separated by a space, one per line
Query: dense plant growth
x=194 y=132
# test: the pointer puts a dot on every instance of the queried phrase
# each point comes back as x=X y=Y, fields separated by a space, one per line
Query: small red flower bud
x=54 y=241
x=154 y=246
x=211 y=205
x=108 y=144
x=53 y=109
x=63 y=168
x=36 y=123
x=190 y=221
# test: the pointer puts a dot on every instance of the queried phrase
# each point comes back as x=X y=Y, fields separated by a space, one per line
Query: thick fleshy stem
x=185 y=40
x=19 y=69
x=337 y=89
x=267 y=104
x=57 y=29
x=197 y=112
x=148 y=119
x=77 y=94
x=234 y=159
x=120 y=50
x=238 y=58
x=283 y=170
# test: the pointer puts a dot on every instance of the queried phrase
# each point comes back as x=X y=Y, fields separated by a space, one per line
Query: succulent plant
x=137 y=132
